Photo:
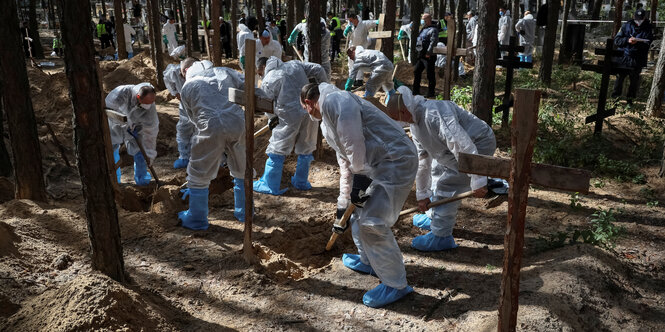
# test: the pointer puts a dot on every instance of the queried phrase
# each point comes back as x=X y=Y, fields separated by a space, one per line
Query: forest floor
x=185 y=280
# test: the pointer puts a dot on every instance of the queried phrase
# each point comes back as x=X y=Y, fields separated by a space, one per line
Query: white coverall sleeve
x=117 y=99
x=148 y=137
x=424 y=174
x=503 y=30
x=350 y=132
x=345 y=181
x=316 y=71
x=520 y=25
x=361 y=62
x=169 y=79
x=458 y=141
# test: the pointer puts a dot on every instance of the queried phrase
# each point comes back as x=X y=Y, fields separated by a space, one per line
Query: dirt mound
x=86 y=303
x=7 y=240
x=136 y=70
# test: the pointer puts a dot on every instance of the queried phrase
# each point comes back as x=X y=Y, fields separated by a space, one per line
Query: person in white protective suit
x=244 y=33
x=384 y=162
x=174 y=78
x=325 y=43
x=405 y=34
x=267 y=47
x=137 y=102
x=505 y=26
x=526 y=27
x=129 y=32
x=169 y=36
x=282 y=82
x=220 y=130
x=375 y=62
x=359 y=30
x=441 y=131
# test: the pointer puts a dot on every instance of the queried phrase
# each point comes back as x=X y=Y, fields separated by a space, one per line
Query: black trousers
x=422 y=64
x=334 y=49
x=634 y=77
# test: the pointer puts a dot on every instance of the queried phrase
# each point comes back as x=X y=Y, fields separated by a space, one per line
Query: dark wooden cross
x=450 y=52
x=605 y=67
x=521 y=172
x=380 y=34
x=510 y=62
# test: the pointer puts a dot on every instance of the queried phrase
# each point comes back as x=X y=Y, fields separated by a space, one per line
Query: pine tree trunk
x=37 y=49
x=51 y=14
x=300 y=12
x=442 y=9
x=191 y=26
x=120 y=29
x=416 y=12
x=157 y=43
x=259 y=16
x=290 y=24
x=595 y=14
x=234 y=26
x=314 y=31
x=618 y=15
x=28 y=172
x=661 y=173
x=388 y=44
x=84 y=87
x=181 y=16
x=215 y=13
x=654 y=103
x=653 y=10
x=5 y=161
x=103 y=3
x=460 y=37
x=485 y=70
x=193 y=13
x=549 y=42
x=564 y=53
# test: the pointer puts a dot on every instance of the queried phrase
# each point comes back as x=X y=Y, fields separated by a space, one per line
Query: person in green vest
x=335 y=27
x=101 y=33
x=443 y=28
x=57 y=45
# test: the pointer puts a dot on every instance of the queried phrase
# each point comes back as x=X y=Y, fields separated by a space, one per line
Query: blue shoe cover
x=180 y=163
x=116 y=158
x=422 y=221
x=141 y=175
x=352 y=261
x=239 y=199
x=196 y=218
x=383 y=295
x=299 y=180
x=272 y=176
x=130 y=55
x=431 y=242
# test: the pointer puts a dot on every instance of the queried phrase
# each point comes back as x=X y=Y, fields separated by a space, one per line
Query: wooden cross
x=450 y=53
x=521 y=172
x=509 y=61
x=606 y=68
x=380 y=34
x=250 y=106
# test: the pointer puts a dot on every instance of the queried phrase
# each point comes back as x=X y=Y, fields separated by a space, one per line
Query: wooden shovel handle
x=439 y=202
x=342 y=222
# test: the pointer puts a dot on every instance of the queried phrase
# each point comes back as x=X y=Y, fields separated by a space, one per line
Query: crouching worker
x=137 y=102
x=441 y=130
x=378 y=64
x=384 y=162
x=220 y=129
x=282 y=82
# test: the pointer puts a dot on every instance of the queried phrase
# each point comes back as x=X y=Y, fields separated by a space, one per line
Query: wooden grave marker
x=380 y=34
x=521 y=172
x=510 y=62
x=605 y=67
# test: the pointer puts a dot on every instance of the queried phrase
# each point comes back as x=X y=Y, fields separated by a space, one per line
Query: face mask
x=500 y=13
x=145 y=106
x=313 y=118
x=639 y=22
x=422 y=22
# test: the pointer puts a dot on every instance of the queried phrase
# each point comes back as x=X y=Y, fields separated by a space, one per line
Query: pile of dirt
x=136 y=70
x=7 y=240
x=91 y=302
x=53 y=108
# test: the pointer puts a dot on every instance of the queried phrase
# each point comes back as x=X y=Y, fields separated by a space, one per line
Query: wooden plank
x=614 y=53
x=450 y=59
x=548 y=176
x=600 y=116
x=444 y=50
x=524 y=128
x=116 y=115
x=261 y=104
x=380 y=34
x=379 y=42
x=250 y=105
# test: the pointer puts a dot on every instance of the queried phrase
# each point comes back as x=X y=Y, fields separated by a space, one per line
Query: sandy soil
x=186 y=280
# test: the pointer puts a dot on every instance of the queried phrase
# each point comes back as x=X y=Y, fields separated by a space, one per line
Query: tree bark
x=157 y=42
x=564 y=53
x=388 y=44
x=595 y=14
x=191 y=26
x=550 y=40
x=483 y=74
x=442 y=9
x=20 y=116
x=120 y=29
x=37 y=49
x=661 y=173
x=460 y=37
x=515 y=16
x=215 y=13
x=654 y=103
x=653 y=10
x=181 y=16
x=51 y=15
x=193 y=13
x=300 y=12
x=5 y=161
x=618 y=15
x=314 y=31
x=416 y=12
x=234 y=26
x=103 y=3
x=85 y=91
x=290 y=23
x=259 y=16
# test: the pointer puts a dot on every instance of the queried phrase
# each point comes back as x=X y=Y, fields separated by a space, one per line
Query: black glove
x=340 y=213
x=360 y=185
x=336 y=227
x=522 y=32
x=273 y=122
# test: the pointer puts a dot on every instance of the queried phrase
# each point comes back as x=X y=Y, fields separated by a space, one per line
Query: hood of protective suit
x=528 y=17
x=359 y=49
x=197 y=68
x=243 y=28
x=272 y=64
x=410 y=101
x=324 y=90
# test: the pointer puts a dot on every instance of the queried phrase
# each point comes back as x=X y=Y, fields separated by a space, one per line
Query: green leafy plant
x=604 y=231
x=598 y=183
x=575 y=200
x=652 y=204
x=490 y=267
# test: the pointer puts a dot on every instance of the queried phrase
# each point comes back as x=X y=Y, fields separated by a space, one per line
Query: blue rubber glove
x=166 y=40
x=401 y=35
x=293 y=38
x=242 y=61
x=348 y=29
x=349 y=84
x=185 y=193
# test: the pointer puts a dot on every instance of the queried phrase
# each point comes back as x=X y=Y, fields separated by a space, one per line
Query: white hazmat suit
x=380 y=67
x=243 y=34
x=360 y=37
x=273 y=48
x=325 y=44
x=169 y=31
x=375 y=146
x=442 y=130
x=526 y=27
x=505 y=28
x=185 y=128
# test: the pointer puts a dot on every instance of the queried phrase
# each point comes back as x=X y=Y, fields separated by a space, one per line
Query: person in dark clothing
x=427 y=40
x=110 y=29
x=336 y=33
x=634 y=38
x=225 y=35
x=281 y=24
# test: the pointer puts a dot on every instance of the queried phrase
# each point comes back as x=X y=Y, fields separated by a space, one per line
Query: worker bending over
x=375 y=62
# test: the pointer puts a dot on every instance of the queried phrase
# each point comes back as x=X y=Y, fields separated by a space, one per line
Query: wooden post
x=485 y=71
x=120 y=29
x=618 y=15
x=206 y=34
x=654 y=103
x=315 y=56
x=16 y=101
x=380 y=27
x=5 y=161
x=450 y=59
x=37 y=49
x=215 y=13
x=550 y=39
x=564 y=53
x=416 y=12
x=250 y=102
x=157 y=42
x=259 y=16
x=85 y=91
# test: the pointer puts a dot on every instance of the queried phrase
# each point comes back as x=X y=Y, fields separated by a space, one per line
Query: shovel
x=439 y=202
